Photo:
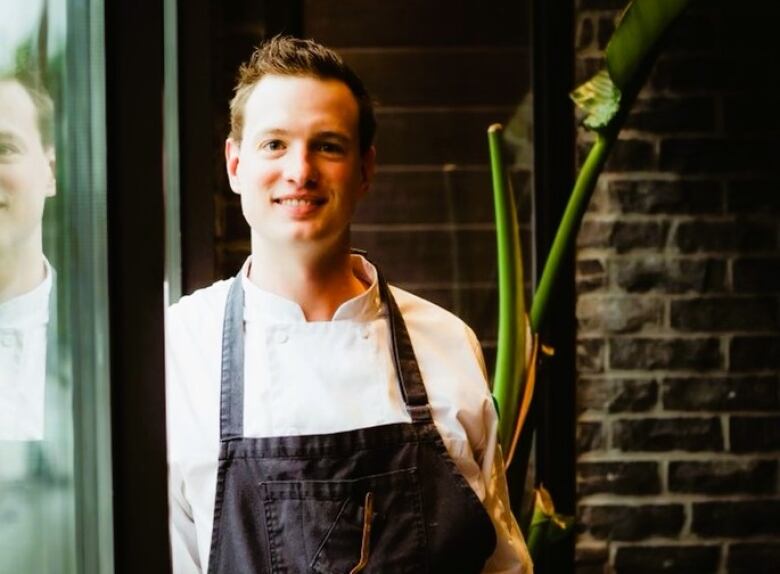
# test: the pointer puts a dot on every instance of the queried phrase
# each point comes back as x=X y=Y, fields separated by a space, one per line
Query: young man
x=26 y=180
x=319 y=420
x=36 y=489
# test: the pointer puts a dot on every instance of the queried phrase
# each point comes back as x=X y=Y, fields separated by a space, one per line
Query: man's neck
x=21 y=271
x=319 y=284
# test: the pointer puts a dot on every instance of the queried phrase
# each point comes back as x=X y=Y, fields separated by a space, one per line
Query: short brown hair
x=44 y=106
x=287 y=56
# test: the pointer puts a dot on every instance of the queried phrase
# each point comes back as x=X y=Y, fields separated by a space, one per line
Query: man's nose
x=299 y=168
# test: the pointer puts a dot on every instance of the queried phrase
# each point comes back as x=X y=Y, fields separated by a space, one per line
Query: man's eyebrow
x=7 y=135
x=13 y=138
x=331 y=135
x=270 y=132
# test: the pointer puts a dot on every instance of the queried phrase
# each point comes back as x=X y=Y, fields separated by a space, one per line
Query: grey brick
x=666 y=559
x=616 y=395
x=754 y=558
x=669 y=275
x=754 y=353
x=590 y=355
x=590 y=559
x=590 y=276
x=618 y=478
x=637 y=354
x=755 y=433
x=590 y=437
x=618 y=314
x=733 y=393
x=736 y=518
x=617 y=522
x=723 y=477
x=668 y=434
x=725 y=236
x=667 y=197
x=725 y=314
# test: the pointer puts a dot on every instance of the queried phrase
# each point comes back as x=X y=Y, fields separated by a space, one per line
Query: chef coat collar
x=260 y=304
x=31 y=308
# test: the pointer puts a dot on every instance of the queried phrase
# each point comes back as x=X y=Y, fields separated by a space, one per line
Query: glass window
x=55 y=459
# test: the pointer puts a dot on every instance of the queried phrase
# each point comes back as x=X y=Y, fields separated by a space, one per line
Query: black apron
x=385 y=499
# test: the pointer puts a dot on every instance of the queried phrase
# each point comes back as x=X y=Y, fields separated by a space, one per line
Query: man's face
x=26 y=169
x=298 y=168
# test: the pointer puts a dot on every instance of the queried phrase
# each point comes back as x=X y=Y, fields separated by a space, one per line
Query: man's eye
x=8 y=149
x=272 y=145
x=330 y=147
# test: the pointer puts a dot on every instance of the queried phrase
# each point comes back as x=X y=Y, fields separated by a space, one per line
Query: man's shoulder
x=201 y=305
x=419 y=312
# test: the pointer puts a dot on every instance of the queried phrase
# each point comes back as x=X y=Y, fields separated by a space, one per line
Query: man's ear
x=232 y=153
x=51 y=185
x=367 y=168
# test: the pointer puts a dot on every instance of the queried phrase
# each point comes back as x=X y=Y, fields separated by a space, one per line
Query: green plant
x=606 y=99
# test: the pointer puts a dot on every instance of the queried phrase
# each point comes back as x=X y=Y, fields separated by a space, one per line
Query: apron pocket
x=323 y=526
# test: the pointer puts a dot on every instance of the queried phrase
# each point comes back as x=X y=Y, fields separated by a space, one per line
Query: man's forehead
x=276 y=95
x=16 y=105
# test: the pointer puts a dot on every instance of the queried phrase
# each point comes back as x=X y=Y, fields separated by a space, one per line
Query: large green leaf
x=642 y=25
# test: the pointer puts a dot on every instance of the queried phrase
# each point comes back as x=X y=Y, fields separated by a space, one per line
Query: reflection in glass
x=50 y=485
x=37 y=518
x=26 y=180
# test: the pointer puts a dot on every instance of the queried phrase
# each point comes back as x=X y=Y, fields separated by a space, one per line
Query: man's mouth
x=300 y=201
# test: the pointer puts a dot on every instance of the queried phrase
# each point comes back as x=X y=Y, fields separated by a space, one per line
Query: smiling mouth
x=300 y=201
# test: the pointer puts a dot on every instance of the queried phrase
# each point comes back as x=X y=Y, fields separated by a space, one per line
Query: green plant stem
x=510 y=355
x=570 y=223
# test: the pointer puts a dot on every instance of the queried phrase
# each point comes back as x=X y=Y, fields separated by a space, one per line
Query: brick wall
x=678 y=280
x=442 y=71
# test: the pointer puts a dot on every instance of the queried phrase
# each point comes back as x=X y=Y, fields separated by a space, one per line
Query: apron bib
x=385 y=499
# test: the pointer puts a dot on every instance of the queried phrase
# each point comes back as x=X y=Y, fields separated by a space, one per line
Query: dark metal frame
x=196 y=144
x=136 y=245
x=554 y=168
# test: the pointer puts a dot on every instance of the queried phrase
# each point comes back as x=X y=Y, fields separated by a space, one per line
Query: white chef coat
x=322 y=377
x=23 y=326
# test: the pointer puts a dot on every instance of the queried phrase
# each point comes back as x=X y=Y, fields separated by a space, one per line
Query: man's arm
x=511 y=555
x=184 y=539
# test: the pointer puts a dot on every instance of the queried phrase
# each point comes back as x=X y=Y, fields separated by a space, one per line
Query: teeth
x=295 y=202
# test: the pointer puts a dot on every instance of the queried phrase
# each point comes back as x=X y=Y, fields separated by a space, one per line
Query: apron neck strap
x=231 y=396
x=409 y=377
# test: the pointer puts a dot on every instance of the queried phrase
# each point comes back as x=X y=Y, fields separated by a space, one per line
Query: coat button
x=281 y=337
x=365 y=332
